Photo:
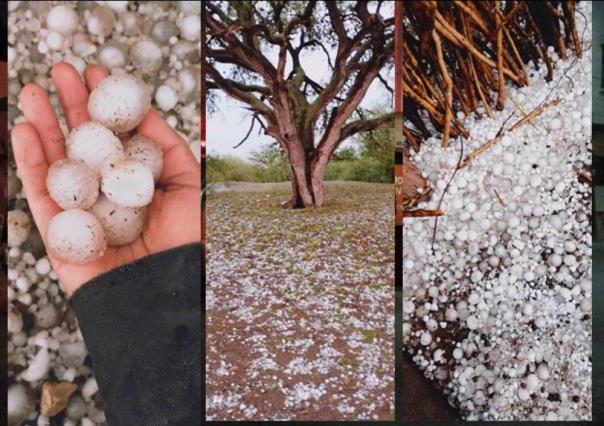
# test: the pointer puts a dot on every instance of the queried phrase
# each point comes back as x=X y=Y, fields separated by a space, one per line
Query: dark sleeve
x=142 y=326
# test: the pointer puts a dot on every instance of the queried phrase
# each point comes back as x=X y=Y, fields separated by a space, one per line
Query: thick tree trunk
x=307 y=173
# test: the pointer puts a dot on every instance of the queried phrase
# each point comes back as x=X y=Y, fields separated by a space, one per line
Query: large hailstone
x=122 y=225
x=128 y=183
x=19 y=403
x=72 y=184
x=19 y=227
x=76 y=236
x=119 y=102
x=94 y=145
x=62 y=19
x=144 y=150
x=146 y=56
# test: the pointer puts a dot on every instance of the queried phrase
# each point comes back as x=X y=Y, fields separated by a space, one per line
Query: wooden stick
x=449 y=93
x=422 y=213
x=502 y=132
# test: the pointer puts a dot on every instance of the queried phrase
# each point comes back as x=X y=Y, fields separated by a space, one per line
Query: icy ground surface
x=300 y=305
x=499 y=315
x=150 y=39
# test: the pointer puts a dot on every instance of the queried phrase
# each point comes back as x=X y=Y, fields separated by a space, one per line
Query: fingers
x=93 y=75
x=38 y=111
x=72 y=93
x=180 y=166
x=33 y=167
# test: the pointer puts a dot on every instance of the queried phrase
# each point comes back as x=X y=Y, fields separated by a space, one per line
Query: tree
x=309 y=119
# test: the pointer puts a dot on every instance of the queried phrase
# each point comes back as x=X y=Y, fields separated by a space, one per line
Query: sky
x=230 y=122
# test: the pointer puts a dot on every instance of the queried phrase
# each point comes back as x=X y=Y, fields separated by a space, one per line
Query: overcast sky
x=230 y=122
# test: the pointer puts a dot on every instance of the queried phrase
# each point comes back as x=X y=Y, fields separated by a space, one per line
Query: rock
x=77 y=408
x=55 y=397
x=19 y=227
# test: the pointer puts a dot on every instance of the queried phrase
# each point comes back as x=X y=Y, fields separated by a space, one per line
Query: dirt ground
x=300 y=304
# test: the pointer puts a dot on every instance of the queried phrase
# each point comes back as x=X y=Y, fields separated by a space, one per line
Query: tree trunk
x=307 y=173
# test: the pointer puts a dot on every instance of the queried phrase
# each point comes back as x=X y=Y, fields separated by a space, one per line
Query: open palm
x=174 y=215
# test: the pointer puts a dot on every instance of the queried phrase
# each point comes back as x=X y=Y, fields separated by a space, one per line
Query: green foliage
x=372 y=161
x=228 y=168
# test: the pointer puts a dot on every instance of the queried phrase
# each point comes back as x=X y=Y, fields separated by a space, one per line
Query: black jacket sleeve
x=142 y=327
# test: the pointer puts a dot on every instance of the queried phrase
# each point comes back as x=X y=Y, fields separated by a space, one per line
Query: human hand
x=174 y=215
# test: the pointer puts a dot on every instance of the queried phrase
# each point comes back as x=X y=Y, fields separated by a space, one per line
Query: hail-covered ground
x=498 y=315
x=158 y=41
x=299 y=304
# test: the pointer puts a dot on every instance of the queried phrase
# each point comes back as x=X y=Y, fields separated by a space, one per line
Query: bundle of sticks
x=458 y=54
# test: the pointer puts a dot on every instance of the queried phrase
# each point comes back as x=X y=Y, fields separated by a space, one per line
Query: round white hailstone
x=527 y=309
x=166 y=97
x=100 y=21
x=72 y=184
x=47 y=316
x=75 y=236
x=570 y=260
x=22 y=284
x=532 y=383
x=19 y=227
x=62 y=19
x=535 y=181
x=554 y=260
x=472 y=322
x=425 y=339
x=144 y=150
x=119 y=102
x=54 y=41
x=146 y=56
x=190 y=7
x=555 y=124
x=43 y=266
x=112 y=56
x=570 y=246
x=540 y=322
x=543 y=372
x=188 y=81
x=451 y=314
x=117 y=5
x=38 y=366
x=19 y=403
x=514 y=222
x=82 y=46
x=529 y=276
x=14 y=320
x=128 y=183
x=473 y=299
x=476 y=276
x=457 y=353
x=122 y=225
x=523 y=395
x=196 y=149
x=93 y=144
x=163 y=30
x=190 y=28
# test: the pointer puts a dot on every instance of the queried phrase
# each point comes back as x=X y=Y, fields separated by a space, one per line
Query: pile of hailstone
x=157 y=42
x=498 y=315
x=126 y=175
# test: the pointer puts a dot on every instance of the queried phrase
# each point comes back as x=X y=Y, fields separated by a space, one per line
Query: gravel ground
x=158 y=41
x=300 y=305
